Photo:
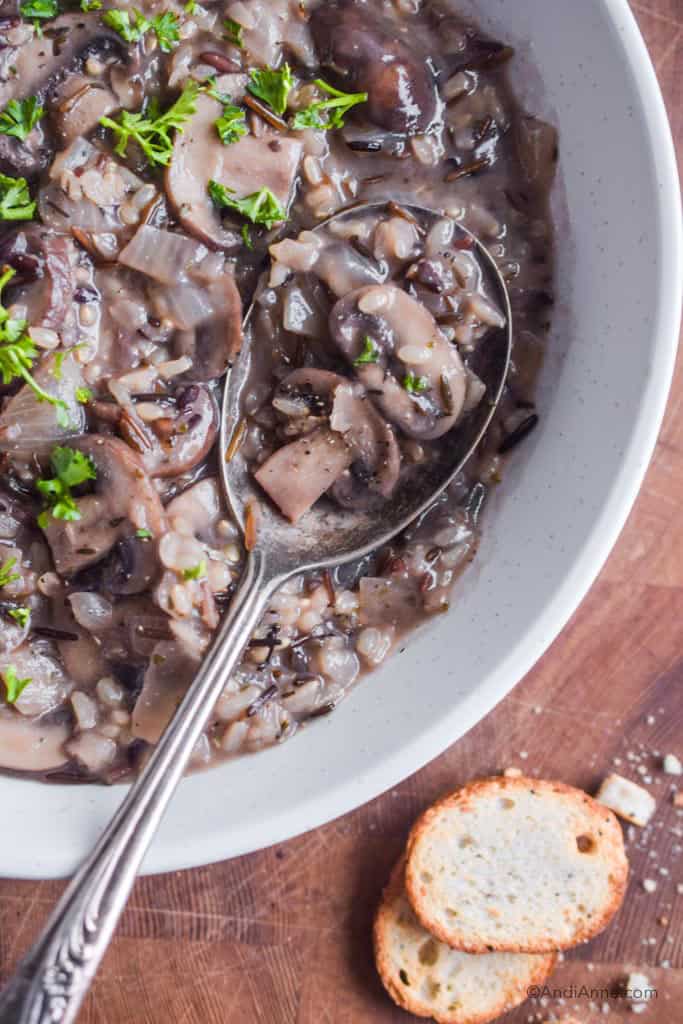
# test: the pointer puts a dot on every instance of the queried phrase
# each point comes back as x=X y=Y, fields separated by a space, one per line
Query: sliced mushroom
x=124 y=500
x=245 y=166
x=298 y=474
x=408 y=345
x=132 y=567
x=81 y=104
x=362 y=47
x=377 y=458
x=167 y=679
x=186 y=435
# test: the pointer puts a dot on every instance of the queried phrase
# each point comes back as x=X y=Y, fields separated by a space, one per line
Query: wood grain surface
x=283 y=936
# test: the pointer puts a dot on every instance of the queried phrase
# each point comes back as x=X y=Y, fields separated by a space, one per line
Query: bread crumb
x=513 y=773
x=625 y=798
x=671 y=765
x=649 y=885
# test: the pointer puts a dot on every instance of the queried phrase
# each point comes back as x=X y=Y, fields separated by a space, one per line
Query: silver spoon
x=53 y=978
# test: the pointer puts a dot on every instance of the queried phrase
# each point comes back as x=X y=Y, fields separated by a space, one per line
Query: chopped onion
x=28 y=426
x=187 y=305
x=91 y=611
x=163 y=255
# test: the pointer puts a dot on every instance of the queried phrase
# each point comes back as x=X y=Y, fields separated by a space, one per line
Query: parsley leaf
x=369 y=353
x=272 y=85
x=20 y=615
x=13 y=684
x=167 y=30
x=18 y=353
x=197 y=572
x=234 y=32
x=327 y=114
x=15 y=199
x=83 y=396
x=260 y=207
x=40 y=9
x=152 y=134
x=143 y=534
x=415 y=385
x=131 y=27
x=191 y=7
x=20 y=117
x=231 y=125
x=246 y=236
x=7 y=576
x=91 y=5
x=71 y=468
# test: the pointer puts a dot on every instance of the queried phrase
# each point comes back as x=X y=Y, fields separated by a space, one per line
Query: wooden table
x=283 y=936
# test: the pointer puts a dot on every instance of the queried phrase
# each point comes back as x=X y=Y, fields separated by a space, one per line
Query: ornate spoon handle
x=51 y=981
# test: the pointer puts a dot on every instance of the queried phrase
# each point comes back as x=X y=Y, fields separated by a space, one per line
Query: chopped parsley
x=131 y=27
x=167 y=30
x=15 y=199
x=330 y=113
x=246 y=236
x=91 y=5
x=7 y=574
x=20 y=117
x=415 y=385
x=71 y=468
x=234 y=32
x=260 y=207
x=13 y=684
x=191 y=7
x=369 y=352
x=83 y=396
x=18 y=353
x=39 y=10
x=272 y=85
x=197 y=572
x=143 y=534
x=152 y=134
x=20 y=615
x=231 y=125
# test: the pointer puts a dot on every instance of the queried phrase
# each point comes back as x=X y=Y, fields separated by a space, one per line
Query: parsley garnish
x=39 y=9
x=130 y=27
x=369 y=353
x=20 y=117
x=260 y=207
x=71 y=468
x=20 y=615
x=7 y=576
x=328 y=114
x=191 y=7
x=415 y=385
x=15 y=199
x=197 y=572
x=83 y=396
x=246 y=236
x=91 y=5
x=13 y=684
x=143 y=534
x=234 y=32
x=167 y=30
x=231 y=125
x=272 y=85
x=18 y=353
x=153 y=134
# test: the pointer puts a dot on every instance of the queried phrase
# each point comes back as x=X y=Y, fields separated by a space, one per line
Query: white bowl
x=564 y=499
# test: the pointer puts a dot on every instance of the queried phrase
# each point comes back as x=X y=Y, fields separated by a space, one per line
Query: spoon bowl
x=328 y=534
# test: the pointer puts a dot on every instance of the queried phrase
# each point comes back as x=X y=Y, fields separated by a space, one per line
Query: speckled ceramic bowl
x=584 y=65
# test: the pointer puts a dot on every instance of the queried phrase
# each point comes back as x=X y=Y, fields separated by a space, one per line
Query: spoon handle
x=51 y=981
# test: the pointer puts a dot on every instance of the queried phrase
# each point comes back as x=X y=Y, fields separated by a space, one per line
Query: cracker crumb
x=671 y=765
x=649 y=885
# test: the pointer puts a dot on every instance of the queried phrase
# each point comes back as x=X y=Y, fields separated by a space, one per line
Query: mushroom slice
x=167 y=679
x=80 y=106
x=213 y=346
x=185 y=436
x=417 y=378
x=377 y=458
x=124 y=501
x=246 y=166
x=364 y=49
x=31 y=747
x=298 y=474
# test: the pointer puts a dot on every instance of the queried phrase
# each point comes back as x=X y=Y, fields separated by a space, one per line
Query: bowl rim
x=433 y=741
x=205 y=848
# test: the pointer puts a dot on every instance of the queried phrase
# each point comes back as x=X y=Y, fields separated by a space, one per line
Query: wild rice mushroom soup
x=151 y=160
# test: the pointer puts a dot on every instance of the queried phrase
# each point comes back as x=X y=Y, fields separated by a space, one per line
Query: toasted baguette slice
x=516 y=865
x=429 y=979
